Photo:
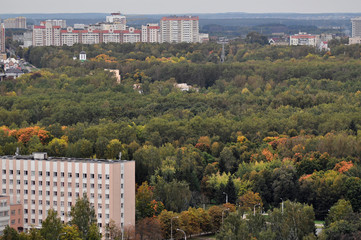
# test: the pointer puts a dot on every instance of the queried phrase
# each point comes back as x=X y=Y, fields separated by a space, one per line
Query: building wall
x=56 y=183
x=2 y=38
x=356 y=27
x=179 y=29
x=17 y=217
x=4 y=212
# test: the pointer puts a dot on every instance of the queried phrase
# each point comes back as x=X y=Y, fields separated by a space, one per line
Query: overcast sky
x=180 y=6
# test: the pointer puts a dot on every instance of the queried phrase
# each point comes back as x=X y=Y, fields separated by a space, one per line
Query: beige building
x=303 y=39
x=18 y=22
x=41 y=183
x=2 y=38
x=355 y=40
x=10 y=214
x=179 y=29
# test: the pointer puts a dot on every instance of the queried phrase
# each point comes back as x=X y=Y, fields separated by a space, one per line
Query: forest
x=269 y=126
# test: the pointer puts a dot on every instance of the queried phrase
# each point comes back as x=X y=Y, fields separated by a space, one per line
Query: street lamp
x=227 y=209
x=254 y=209
x=64 y=233
x=226 y=197
x=185 y=236
x=282 y=205
x=171 y=227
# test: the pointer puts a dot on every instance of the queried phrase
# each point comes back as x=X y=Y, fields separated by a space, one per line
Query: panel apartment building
x=179 y=29
x=18 y=22
x=40 y=183
x=2 y=38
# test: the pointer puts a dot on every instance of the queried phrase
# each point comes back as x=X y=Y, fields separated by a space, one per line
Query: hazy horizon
x=180 y=7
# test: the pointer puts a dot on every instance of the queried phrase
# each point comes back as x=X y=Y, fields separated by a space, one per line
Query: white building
x=303 y=39
x=131 y=35
x=116 y=18
x=179 y=29
x=151 y=33
x=356 y=27
x=82 y=56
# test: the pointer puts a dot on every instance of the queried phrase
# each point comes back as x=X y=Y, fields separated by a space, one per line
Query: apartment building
x=2 y=38
x=151 y=33
x=356 y=27
x=179 y=29
x=40 y=183
x=18 y=22
x=304 y=39
x=10 y=214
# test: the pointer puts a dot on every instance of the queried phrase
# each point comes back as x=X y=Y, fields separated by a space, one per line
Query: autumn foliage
x=24 y=134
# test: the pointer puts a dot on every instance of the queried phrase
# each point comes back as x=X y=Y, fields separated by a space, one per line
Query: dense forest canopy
x=280 y=122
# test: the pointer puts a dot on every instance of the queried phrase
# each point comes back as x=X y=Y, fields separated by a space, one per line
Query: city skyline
x=183 y=7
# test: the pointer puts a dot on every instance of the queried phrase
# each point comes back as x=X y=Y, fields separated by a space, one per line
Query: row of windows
x=55 y=174
x=62 y=194
x=62 y=184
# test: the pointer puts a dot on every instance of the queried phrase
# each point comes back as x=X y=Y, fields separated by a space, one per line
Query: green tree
x=10 y=234
x=83 y=215
x=51 y=226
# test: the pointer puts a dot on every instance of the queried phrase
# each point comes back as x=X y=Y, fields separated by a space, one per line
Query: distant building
x=47 y=34
x=18 y=22
x=179 y=29
x=131 y=36
x=203 y=37
x=303 y=39
x=82 y=56
x=355 y=40
x=10 y=214
x=356 y=27
x=151 y=33
x=2 y=38
x=278 y=41
x=60 y=23
x=116 y=18
x=10 y=63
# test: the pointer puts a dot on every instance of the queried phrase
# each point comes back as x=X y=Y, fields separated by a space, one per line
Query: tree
x=10 y=234
x=51 y=226
x=83 y=215
x=94 y=233
x=146 y=206
x=149 y=228
x=340 y=211
x=70 y=233
x=248 y=200
x=230 y=190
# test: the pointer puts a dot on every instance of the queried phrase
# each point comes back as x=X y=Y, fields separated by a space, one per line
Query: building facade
x=40 y=183
x=18 y=22
x=2 y=38
x=179 y=29
x=356 y=27
x=151 y=33
x=303 y=39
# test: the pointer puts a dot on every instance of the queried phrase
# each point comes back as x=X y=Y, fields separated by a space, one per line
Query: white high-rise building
x=179 y=29
x=356 y=27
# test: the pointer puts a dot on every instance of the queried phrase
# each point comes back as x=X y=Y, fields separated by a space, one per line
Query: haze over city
x=177 y=7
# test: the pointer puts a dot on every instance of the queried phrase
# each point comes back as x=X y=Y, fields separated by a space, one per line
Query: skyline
x=181 y=7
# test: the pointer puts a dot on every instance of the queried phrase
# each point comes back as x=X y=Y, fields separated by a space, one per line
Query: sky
x=181 y=6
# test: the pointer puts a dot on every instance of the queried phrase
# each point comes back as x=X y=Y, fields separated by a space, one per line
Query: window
x=99 y=196
x=13 y=222
x=121 y=185
x=69 y=184
x=40 y=173
x=40 y=221
x=11 y=191
x=26 y=220
x=4 y=171
x=40 y=183
x=48 y=174
x=122 y=176
x=107 y=196
x=77 y=175
x=33 y=220
x=55 y=174
x=99 y=186
x=69 y=194
x=18 y=191
x=47 y=183
x=99 y=176
x=40 y=192
x=25 y=201
x=106 y=176
x=106 y=186
x=26 y=172
x=55 y=184
x=92 y=175
x=55 y=193
x=99 y=215
x=121 y=205
x=92 y=185
x=77 y=194
x=62 y=184
x=40 y=202
x=99 y=206
x=107 y=216
x=32 y=211
x=47 y=203
x=47 y=193
x=11 y=181
x=26 y=182
x=4 y=191
x=92 y=195
x=4 y=181
x=40 y=212
x=62 y=174
x=69 y=175
x=62 y=194
x=33 y=192
x=25 y=191
x=33 y=183
x=84 y=175
x=33 y=201
x=18 y=172
x=26 y=211
x=69 y=204
x=55 y=203
x=11 y=172
x=32 y=173
x=121 y=195
x=77 y=185
x=13 y=212
x=62 y=203
x=84 y=185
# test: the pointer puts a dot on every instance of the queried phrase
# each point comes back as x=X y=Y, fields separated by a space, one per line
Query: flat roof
x=65 y=159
